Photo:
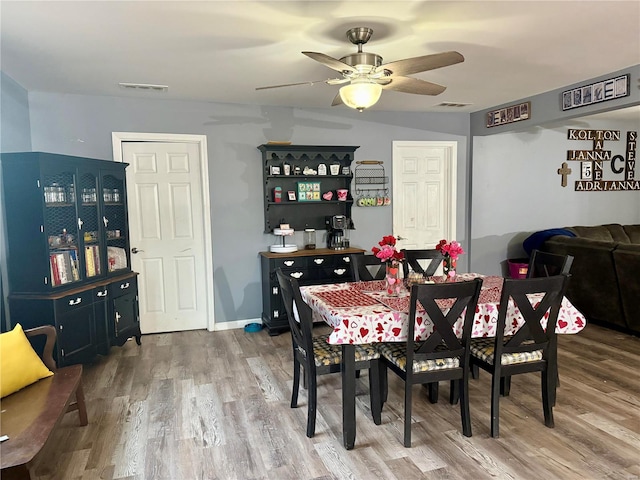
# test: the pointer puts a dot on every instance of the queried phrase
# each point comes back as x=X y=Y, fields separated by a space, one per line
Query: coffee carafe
x=336 y=226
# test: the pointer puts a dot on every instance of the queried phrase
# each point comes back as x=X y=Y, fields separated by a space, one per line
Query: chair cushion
x=326 y=354
x=20 y=365
x=483 y=348
x=395 y=353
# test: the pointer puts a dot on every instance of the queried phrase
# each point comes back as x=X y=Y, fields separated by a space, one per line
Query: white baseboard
x=236 y=324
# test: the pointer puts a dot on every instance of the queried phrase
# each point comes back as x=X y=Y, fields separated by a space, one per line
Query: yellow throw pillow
x=20 y=365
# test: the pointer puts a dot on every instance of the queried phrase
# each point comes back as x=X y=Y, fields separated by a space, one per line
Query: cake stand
x=283 y=247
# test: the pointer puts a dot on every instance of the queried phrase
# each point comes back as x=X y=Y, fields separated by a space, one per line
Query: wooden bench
x=30 y=415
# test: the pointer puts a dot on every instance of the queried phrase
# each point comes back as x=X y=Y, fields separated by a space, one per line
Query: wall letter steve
x=592 y=162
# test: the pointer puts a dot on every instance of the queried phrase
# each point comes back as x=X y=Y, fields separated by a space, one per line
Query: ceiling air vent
x=144 y=86
x=453 y=104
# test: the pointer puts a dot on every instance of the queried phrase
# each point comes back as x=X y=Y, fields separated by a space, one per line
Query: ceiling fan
x=366 y=76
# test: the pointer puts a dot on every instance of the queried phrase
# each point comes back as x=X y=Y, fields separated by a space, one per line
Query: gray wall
x=516 y=187
x=15 y=136
x=15 y=131
x=517 y=190
x=82 y=125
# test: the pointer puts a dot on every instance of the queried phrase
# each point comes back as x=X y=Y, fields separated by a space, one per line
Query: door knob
x=400 y=238
x=134 y=250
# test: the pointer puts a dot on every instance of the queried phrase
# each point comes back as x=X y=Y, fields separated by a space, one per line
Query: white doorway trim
x=117 y=138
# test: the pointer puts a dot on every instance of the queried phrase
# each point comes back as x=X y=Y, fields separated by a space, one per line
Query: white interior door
x=164 y=193
x=424 y=193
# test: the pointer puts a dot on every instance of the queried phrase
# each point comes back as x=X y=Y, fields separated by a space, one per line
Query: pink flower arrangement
x=451 y=249
x=387 y=251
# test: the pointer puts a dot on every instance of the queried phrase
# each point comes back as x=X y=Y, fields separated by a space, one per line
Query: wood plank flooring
x=203 y=405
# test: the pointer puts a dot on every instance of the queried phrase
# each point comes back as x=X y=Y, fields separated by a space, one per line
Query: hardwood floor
x=202 y=405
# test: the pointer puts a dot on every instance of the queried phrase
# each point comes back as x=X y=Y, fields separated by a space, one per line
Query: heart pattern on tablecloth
x=380 y=322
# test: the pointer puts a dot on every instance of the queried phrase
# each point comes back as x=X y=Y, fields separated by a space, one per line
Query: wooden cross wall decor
x=564 y=171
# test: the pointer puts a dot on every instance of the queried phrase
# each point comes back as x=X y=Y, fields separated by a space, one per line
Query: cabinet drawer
x=290 y=262
x=302 y=275
x=74 y=301
x=342 y=261
x=122 y=287
x=101 y=293
x=336 y=274
x=320 y=261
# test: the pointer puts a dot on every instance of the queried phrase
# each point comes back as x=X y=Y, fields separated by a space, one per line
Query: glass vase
x=392 y=279
x=449 y=267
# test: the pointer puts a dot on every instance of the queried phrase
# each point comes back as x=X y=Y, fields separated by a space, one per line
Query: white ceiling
x=219 y=51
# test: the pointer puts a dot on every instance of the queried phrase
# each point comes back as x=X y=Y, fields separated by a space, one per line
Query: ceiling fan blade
x=413 y=85
x=422 y=64
x=330 y=62
x=292 y=84
x=337 y=100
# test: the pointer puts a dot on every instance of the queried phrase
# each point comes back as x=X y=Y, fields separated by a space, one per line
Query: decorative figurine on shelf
x=451 y=250
x=393 y=258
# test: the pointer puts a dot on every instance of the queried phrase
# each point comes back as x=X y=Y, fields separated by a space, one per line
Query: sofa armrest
x=593 y=288
x=627 y=263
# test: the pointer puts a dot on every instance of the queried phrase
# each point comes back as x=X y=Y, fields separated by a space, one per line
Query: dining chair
x=317 y=357
x=545 y=264
x=425 y=261
x=531 y=348
x=442 y=356
x=365 y=268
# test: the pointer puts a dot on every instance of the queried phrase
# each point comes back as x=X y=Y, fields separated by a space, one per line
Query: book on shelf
x=96 y=258
x=55 y=275
x=75 y=273
x=62 y=269
x=89 y=261
x=92 y=260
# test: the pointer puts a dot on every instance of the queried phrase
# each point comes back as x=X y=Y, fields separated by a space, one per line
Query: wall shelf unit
x=309 y=213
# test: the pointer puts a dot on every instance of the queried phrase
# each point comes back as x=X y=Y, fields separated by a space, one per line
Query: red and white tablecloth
x=362 y=312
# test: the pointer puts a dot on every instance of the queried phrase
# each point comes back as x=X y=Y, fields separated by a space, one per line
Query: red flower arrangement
x=388 y=252
x=450 y=249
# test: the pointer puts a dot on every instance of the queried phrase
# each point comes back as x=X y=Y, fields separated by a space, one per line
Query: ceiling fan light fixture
x=360 y=94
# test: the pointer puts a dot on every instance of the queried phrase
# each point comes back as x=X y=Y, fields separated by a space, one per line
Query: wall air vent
x=144 y=86
x=453 y=104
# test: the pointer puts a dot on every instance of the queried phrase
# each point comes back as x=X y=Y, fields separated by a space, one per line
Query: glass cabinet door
x=114 y=218
x=61 y=226
x=89 y=218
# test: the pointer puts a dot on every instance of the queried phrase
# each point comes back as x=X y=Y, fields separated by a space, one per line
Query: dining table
x=363 y=312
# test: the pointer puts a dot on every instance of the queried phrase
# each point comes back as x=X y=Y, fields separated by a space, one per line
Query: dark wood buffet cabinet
x=68 y=260
x=309 y=267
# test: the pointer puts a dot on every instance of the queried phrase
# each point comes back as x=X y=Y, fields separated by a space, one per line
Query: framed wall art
x=510 y=114
x=596 y=92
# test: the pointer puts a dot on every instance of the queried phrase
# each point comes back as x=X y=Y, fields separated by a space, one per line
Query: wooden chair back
x=47 y=354
x=443 y=342
x=545 y=264
x=531 y=335
x=414 y=260
x=299 y=315
x=366 y=268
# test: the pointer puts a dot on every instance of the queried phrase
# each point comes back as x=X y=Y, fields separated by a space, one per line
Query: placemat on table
x=401 y=304
x=371 y=286
x=491 y=289
x=346 y=298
